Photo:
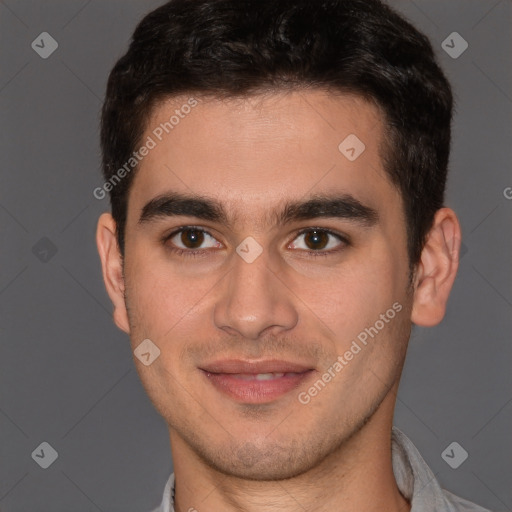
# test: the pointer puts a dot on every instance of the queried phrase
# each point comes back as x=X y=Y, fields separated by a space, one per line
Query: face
x=268 y=264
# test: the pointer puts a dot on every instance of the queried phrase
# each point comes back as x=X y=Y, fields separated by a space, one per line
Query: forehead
x=262 y=150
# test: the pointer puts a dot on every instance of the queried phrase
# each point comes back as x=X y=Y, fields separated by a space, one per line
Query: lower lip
x=256 y=391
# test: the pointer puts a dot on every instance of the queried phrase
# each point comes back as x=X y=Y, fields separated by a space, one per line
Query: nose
x=254 y=301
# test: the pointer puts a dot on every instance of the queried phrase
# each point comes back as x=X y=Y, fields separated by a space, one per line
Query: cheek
x=150 y=292
x=352 y=297
x=162 y=300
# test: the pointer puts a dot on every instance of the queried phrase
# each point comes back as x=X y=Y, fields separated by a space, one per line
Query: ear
x=437 y=269
x=112 y=268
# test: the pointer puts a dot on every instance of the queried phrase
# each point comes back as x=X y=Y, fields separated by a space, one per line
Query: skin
x=251 y=154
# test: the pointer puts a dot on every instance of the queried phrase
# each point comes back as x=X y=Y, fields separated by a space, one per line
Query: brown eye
x=316 y=239
x=192 y=238
x=321 y=241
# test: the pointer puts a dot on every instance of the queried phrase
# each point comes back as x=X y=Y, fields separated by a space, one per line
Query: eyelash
x=192 y=253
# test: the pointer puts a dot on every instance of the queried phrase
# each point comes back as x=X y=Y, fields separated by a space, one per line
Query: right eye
x=188 y=240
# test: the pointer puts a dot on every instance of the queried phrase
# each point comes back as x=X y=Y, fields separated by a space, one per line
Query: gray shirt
x=413 y=477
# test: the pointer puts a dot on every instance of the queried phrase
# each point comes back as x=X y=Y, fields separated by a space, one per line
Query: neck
x=357 y=476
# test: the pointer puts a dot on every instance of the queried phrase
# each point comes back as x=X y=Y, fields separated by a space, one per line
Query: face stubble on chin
x=308 y=310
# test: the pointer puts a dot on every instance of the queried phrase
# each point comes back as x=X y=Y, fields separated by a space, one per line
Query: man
x=276 y=171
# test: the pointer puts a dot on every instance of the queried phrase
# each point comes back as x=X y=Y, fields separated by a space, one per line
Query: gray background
x=67 y=375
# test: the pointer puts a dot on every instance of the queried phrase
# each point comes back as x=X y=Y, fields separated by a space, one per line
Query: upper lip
x=239 y=366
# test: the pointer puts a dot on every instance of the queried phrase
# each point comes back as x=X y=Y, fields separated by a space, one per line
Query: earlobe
x=437 y=269
x=112 y=268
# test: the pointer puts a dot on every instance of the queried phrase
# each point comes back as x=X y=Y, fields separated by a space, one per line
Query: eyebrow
x=343 y=206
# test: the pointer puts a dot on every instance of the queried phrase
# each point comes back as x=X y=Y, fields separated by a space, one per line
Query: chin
x=271 y=462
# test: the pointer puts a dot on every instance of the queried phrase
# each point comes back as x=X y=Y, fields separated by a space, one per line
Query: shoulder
x=417 y=482
x=458 y=504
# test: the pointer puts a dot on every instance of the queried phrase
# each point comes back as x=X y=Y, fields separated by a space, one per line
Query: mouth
x=256 y=382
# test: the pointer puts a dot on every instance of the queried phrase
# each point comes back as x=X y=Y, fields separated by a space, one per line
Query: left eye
x=316 y=240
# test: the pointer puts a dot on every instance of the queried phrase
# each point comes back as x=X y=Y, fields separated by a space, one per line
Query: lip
x=237 y=378
x=254 y=367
